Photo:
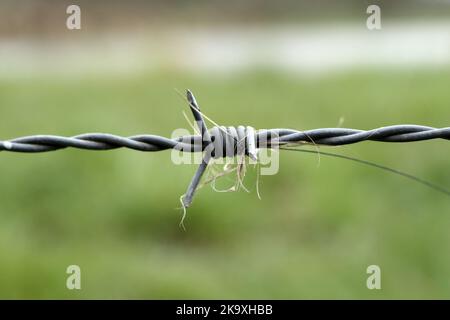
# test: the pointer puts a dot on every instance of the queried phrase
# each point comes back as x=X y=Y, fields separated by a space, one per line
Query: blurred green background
x=313 y=233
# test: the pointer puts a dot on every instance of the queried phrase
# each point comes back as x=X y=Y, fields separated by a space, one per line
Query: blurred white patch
x=294 y=49
x=8 y=145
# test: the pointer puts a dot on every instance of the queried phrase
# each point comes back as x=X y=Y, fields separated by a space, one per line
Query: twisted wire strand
x=194 y=143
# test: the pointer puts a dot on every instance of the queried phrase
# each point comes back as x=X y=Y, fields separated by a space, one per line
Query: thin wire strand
x=379 y=166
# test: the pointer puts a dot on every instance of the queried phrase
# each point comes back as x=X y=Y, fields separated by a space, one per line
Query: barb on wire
x=243 y=141
x=206 y=140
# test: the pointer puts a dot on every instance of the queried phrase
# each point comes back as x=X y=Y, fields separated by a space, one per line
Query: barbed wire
x=194 y=143
x=245 y=139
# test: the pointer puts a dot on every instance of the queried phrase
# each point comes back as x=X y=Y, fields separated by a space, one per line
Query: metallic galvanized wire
x=194 y=143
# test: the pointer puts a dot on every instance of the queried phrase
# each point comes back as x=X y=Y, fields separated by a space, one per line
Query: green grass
x=312 y=235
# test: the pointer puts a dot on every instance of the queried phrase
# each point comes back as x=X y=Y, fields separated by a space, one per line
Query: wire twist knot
x=232 y=141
